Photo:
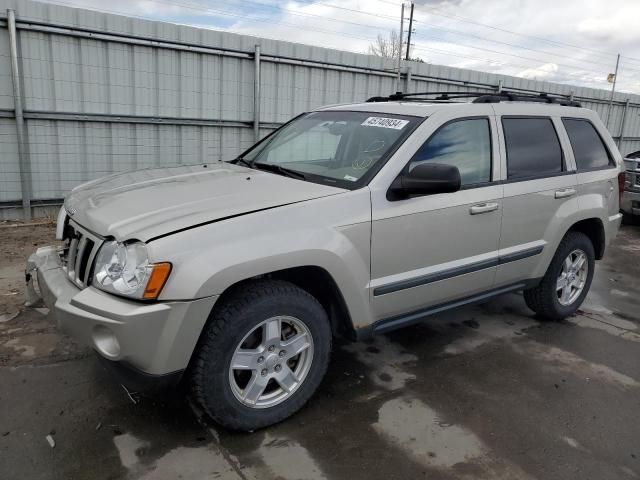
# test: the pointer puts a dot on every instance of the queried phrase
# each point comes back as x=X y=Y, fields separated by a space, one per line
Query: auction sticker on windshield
x=385 y=122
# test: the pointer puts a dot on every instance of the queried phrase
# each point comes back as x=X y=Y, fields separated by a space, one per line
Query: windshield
x=333 y=146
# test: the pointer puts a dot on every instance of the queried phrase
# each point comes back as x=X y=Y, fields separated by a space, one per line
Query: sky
x=564 y=41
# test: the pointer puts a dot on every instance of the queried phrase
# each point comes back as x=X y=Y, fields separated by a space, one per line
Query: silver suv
x=349 y=220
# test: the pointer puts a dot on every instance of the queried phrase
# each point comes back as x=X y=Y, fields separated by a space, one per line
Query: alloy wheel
x=271 y=362
x=572 y=278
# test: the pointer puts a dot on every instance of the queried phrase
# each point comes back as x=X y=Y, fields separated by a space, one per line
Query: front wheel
x=567 y=280
x=262 y=355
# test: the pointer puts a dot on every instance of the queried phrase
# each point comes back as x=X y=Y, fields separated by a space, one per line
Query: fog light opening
x=106 y=342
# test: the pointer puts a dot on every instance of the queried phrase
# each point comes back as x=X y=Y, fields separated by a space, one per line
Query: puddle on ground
x=593 y=302
x=619 y=293
x=488 y=330
x=284 y=458
x=385 y=360
x=617 y=327
x=186 y=463
x=571 y=363
x=190 y=463
x=129 y=448
x=417 y=429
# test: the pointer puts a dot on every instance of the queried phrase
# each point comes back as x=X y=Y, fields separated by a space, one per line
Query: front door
x=429 y=250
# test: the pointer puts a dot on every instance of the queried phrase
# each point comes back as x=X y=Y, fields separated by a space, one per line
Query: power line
x=267 y=20
x=480 y=37
x=537 y=60
x=554 y=42
x=361 y=12
x=501 y=63
x=486 y=60
x=288 y=10
x=338 y=33
x=463 y=19
x=230 y=14
x=390 y=3
x=227 y=13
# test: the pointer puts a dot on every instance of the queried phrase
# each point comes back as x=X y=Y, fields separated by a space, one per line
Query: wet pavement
x=486 y=391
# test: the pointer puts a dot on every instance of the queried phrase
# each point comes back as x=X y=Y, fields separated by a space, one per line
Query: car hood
x=145 y=204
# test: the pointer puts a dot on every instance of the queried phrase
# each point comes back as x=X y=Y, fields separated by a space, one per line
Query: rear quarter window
x=588 y=147
x=533 y=148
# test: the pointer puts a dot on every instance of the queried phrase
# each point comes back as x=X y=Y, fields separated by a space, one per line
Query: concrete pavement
x=481 y=392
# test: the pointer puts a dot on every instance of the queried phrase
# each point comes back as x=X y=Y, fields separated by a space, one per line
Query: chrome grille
x=632 y=175
x=79 y=254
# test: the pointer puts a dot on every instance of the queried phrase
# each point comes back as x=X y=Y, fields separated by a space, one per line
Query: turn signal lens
x=159 y=275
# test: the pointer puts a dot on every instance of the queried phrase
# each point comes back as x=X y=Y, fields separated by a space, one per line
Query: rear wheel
x=262 y=356
x=567 y=280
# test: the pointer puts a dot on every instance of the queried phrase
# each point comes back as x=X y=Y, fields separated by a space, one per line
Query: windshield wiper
x=287 y=172
x=242 y=161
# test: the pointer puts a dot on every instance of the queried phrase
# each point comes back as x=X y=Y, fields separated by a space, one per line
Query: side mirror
x=425 y=179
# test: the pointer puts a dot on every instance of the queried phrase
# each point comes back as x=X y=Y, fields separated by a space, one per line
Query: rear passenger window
x=533 y=148
x=587 y=145
x=465 y=144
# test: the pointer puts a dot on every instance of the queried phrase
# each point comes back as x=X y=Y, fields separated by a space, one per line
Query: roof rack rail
x=479 y=97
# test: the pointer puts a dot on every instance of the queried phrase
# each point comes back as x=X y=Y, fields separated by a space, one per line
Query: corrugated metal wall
x=104 y=93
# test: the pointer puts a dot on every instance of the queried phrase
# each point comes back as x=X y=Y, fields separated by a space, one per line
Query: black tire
x=238 y=315
x=543 y=299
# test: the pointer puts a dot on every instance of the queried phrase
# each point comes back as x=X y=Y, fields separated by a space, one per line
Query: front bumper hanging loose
x=141 y=340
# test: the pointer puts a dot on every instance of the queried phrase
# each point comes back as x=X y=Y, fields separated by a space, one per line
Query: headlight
x=124 y=269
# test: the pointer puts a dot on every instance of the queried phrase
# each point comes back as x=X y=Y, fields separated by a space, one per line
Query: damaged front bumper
x=142 y=341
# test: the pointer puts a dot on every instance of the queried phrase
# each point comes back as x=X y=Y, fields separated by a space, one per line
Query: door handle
x=567 y=192
x=483 y=208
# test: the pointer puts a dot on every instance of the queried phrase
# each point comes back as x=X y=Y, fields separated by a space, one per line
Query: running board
x=393 y=323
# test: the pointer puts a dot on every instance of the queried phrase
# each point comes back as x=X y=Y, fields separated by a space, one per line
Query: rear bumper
x=611 y=229
x=630 y=203
x=155 y=339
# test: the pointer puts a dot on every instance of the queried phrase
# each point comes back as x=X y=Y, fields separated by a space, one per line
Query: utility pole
x=409 y=32
x=613 y=89
x=400 y=46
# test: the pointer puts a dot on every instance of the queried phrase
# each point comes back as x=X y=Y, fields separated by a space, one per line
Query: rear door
x=432 y=249
x=540 y=191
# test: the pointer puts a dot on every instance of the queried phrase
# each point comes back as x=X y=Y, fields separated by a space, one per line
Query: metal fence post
x=624 y=120
x=407 y=80
x=23 y=160
x=256 y=94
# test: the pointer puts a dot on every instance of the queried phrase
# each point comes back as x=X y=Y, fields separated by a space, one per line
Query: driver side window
x=465 y=144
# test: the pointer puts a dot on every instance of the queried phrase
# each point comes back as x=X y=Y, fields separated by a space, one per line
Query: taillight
x=621 y=177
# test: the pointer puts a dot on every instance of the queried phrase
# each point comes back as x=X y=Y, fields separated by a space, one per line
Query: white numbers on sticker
x=385 y=122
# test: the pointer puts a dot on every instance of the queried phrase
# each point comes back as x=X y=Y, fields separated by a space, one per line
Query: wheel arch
x=593 y=228
x=315 y=280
